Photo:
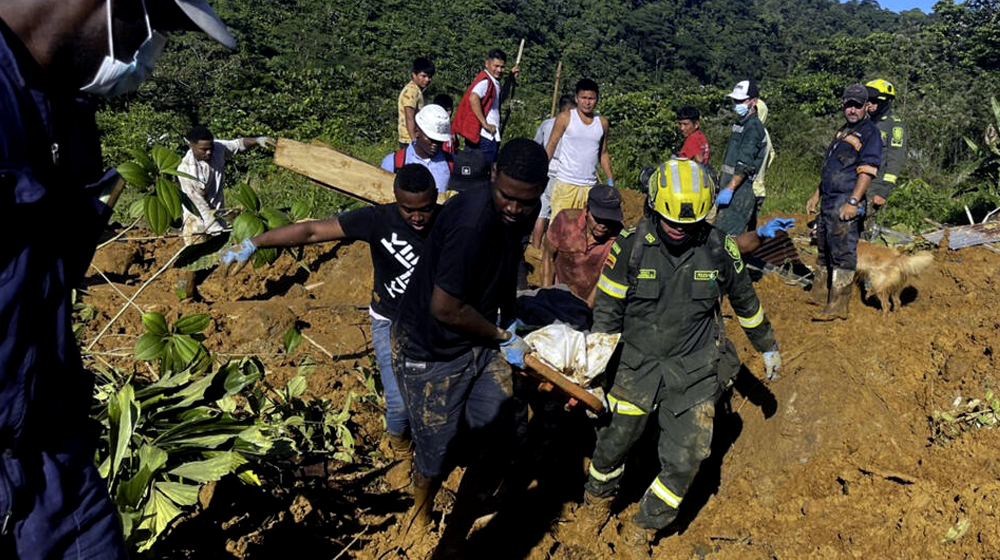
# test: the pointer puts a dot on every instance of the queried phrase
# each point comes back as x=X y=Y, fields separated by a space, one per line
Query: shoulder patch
x=626 y=232
x=646 y=274
x=610 y=261
x=734 y=253
x=650 y=238
x=615 y=248
x=897 y=136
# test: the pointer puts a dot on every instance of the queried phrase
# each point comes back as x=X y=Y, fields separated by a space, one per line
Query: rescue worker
x=661 y=288
x=880 y=96
x=851 y=163
x=743 y=159
x=53 y=57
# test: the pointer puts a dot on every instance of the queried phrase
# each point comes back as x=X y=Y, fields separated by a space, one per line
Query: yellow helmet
x=884 y=87
x=681 y=191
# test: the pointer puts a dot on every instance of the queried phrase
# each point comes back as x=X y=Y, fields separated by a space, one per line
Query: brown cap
x=605 y=203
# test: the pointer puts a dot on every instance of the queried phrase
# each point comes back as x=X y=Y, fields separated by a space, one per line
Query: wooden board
x=335 y=170
x=564 y=386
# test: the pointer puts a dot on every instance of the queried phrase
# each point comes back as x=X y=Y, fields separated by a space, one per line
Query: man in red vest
x=477 y=118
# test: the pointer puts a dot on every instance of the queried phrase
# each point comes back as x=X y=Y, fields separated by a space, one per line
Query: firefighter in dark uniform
x=661 y=288
x=881 y=93
x=851 y=163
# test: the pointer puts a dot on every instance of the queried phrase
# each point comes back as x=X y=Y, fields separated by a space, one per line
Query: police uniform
x=675 y=360
x=856 y=149
x=893 y=135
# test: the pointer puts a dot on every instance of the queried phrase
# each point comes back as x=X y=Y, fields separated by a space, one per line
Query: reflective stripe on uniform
x=664 y=493
x=754 y=320
x=854 y=141
x=729 y=169
x=612 y=288
x=869 y=169
x=604 y=477
x=626 y=408
x=890 y=178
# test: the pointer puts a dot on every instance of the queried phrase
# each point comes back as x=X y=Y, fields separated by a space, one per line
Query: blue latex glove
x=772 y=364
x=725 y=197
x=611 y=182
x=238 y=253
x=771 y=228
x=514 y=348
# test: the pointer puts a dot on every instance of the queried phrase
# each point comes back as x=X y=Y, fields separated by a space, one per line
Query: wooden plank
x=540 y=371
x=336 y=170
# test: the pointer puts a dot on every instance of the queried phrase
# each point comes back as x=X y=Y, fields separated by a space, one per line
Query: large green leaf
x=156 y=214
x=296 y=386
x=131 y=492
x=210 y=469
x=209 y=441
x=191 y=324
x=164 y=158
x=143 y=159
x=299 y=210
x=185 y=348
x=181 y=494
x=247 y=197
x=149 y=346
x=169 y=195
x=154 y=322
x=236 y=379
x=159 y=512
x=176 y=173
x=275 y=218
x=134 y=174
x=245 y=226
x=123 y=413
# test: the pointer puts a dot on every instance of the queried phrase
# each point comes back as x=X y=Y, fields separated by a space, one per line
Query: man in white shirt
x=205 y=161
x=566 y=103
x=477 y=118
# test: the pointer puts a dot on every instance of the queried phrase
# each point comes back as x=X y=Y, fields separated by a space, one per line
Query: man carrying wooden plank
x=449 y=350
x=396 y=234
x=431 y=132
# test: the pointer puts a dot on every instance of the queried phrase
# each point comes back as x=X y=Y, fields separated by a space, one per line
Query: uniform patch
x=646 y=274
x=734 y=253
x=610 y=261
x=626 y=232
x=706 y=275
x=897 y=137
x=615 y=248
x=650 y=238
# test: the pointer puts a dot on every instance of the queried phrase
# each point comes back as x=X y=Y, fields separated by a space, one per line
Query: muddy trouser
x=836 y=239
x=733 y=219
x=473 y=392
x=685 y=441
x=61 y=509
x=396 y=420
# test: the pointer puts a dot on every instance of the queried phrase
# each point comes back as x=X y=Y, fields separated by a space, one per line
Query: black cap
x=469 y=170
x=855 y=92
x=605 y=203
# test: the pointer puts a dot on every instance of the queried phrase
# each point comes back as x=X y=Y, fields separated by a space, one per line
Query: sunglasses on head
x=852 y=104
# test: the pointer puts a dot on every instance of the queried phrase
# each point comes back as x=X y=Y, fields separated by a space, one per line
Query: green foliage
x=255 y=220
x=152 y=174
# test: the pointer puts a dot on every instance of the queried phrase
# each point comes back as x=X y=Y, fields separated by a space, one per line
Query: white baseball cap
x=744 y=90
x=433 y=121
x=206 y=19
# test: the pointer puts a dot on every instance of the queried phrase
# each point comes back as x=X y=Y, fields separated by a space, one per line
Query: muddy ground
x=833 y=460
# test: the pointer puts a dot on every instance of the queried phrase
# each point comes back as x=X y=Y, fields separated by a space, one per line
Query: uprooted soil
x=834 y=459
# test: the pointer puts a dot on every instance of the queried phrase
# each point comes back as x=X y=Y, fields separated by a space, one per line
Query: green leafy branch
x=162 y=199
x=972 y=415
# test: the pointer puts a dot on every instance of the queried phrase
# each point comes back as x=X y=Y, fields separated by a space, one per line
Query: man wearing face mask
x=662 y=291
x=744 y=156
x=53 y=502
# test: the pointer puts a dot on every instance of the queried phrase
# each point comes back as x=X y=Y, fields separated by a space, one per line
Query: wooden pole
x=520 y=51
x=555 y=90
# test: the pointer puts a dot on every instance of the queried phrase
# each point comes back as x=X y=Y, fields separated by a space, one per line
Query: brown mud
x=832 y=460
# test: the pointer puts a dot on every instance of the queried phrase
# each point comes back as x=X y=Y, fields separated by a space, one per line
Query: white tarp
x=580 y=357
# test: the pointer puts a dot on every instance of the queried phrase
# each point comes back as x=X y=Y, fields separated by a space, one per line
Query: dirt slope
x=833 y=460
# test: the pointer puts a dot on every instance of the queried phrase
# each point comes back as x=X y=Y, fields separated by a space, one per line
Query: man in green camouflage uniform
x=661 y=288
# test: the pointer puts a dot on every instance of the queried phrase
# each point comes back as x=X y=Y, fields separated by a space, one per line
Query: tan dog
x=888 y=271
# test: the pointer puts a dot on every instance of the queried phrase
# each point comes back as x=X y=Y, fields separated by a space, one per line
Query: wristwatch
x=853 y=201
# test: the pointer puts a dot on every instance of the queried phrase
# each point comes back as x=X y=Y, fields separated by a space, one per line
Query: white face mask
x=114 y=77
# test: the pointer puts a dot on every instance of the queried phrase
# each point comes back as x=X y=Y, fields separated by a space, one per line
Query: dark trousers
x=685 y=441
x=733 y=219
x=488 y=147
x=473 y=392
x=60 y=509
x=836 y=239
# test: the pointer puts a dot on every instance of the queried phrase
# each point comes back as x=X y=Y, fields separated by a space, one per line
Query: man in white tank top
x=582 y=137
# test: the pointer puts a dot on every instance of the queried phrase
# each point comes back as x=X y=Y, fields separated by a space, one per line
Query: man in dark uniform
x=881 y=93
x=851 y=163
x=661 y=288
x=53 y=502
x=743 y=159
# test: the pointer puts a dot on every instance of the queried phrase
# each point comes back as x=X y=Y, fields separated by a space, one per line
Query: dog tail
x=916 y=263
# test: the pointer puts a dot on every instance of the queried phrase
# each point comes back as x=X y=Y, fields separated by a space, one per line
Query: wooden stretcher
x=538 y=370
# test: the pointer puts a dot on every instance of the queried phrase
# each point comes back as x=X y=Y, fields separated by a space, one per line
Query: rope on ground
x=350 y=544
x=132 y=299
x=115 y=288
x=121 y=233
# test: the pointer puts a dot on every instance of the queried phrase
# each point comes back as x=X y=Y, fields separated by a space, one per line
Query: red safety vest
x=465 y=123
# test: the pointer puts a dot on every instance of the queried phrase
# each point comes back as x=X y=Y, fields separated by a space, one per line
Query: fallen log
x=538 y=370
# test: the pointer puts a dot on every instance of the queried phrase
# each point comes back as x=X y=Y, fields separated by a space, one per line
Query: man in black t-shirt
x=396 y=234
x=449 y=349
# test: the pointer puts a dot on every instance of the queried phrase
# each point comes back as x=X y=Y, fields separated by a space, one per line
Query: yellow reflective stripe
x=612 y=288
x=626 y=408
x=664 y=493
x=604 y=477
x=755 y=320
x=890 y=178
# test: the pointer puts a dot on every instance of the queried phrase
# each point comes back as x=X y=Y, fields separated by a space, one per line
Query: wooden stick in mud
x=555 y=90
x=535 y=368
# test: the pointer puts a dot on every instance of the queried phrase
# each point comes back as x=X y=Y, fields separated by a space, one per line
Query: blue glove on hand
x=238 y=253
x=772 y=364
x=611 y=182
x=725 y=197
x=771 y=228
x=514 y=348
